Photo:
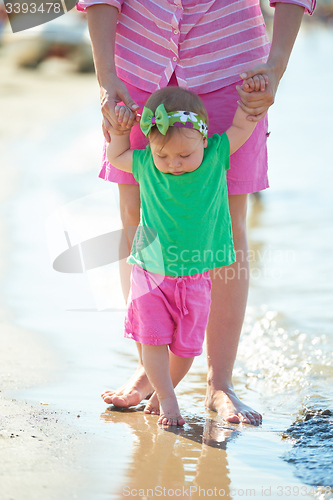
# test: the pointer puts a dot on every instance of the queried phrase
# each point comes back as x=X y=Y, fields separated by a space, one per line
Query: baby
x=184 y=232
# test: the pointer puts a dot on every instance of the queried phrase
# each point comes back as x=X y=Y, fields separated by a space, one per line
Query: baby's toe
x=151 y=409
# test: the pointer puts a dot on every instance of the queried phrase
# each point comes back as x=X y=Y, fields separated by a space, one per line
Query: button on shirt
x=207 y=44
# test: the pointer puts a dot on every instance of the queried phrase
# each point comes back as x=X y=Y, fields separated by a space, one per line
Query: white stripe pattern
x=207 y=44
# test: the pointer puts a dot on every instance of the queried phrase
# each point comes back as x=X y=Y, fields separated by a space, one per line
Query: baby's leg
x=179 y=366
x=156 y=363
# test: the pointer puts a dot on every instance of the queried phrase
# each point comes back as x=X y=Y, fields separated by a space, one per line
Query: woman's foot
x=169 y=412
x=132 y=393
x=228 y=406
x=153 y=405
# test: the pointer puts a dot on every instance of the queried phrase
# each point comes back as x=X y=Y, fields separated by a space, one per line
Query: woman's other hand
x=110 y=96
x=256 y=103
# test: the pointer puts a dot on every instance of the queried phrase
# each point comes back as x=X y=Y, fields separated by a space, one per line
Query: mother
x=209 y=47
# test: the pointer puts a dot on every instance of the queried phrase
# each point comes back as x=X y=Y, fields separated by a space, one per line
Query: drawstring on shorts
x=180 y=296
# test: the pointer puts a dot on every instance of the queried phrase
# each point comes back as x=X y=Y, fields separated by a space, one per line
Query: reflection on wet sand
x=189 y=459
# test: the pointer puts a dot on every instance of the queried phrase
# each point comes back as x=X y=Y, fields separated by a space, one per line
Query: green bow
x=160 y=118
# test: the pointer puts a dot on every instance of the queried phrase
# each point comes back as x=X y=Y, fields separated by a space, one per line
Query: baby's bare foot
x=169 y=412
x=171 y=420
x=153 y=406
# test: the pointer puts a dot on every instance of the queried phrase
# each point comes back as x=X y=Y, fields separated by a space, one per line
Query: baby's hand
x=256 y=83
x=126 y=117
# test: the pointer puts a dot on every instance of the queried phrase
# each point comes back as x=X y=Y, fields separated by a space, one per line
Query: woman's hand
x=256 y=104
x=111 y=94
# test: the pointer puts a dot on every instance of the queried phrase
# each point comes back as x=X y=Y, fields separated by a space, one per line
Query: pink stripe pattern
x=207 y=44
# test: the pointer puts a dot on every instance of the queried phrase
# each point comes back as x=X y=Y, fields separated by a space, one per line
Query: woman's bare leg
x=229 y=297
x=138 y=387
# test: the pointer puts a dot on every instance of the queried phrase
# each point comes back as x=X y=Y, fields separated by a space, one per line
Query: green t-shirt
x=185 y=225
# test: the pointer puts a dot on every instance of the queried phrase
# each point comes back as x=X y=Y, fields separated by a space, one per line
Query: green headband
x=164 y=120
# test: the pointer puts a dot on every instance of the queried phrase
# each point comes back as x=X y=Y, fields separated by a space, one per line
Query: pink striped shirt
x=207 y=43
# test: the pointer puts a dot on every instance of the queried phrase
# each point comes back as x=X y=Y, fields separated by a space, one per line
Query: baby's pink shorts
x=169 y=310
x=248 y=166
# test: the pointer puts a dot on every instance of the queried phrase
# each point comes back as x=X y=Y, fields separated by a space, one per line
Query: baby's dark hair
x=175 y=99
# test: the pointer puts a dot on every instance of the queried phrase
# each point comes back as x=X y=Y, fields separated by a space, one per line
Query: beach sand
x=39 y=453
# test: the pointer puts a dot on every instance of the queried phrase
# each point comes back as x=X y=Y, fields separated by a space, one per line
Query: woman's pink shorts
x=169 y=310
x=248 y=166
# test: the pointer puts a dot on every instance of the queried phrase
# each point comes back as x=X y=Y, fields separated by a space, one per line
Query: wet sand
x=39 y=452
x=57 y=348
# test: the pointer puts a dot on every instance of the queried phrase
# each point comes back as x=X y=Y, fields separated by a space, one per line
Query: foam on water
x=288 y=361
x=295 y=370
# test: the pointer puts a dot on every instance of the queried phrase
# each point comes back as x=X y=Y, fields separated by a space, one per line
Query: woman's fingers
x=110 y=95
x=255 y=99
x=256 y=102
x=105 y=125
x=128 y=101
x=108 y=127
x=253 y=113
x=257 y=118
x=260 y=69
x=119 y=117
x=108 y=109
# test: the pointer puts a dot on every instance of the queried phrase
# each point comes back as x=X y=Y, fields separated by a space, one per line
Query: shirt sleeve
x=309 y=5
x=83 y=4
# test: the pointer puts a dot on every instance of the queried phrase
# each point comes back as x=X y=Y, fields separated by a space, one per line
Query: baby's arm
x=256 y=83
x=118 y=151
x=240 y=130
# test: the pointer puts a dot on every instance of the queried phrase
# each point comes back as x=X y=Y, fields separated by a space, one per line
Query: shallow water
x=285 y=362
